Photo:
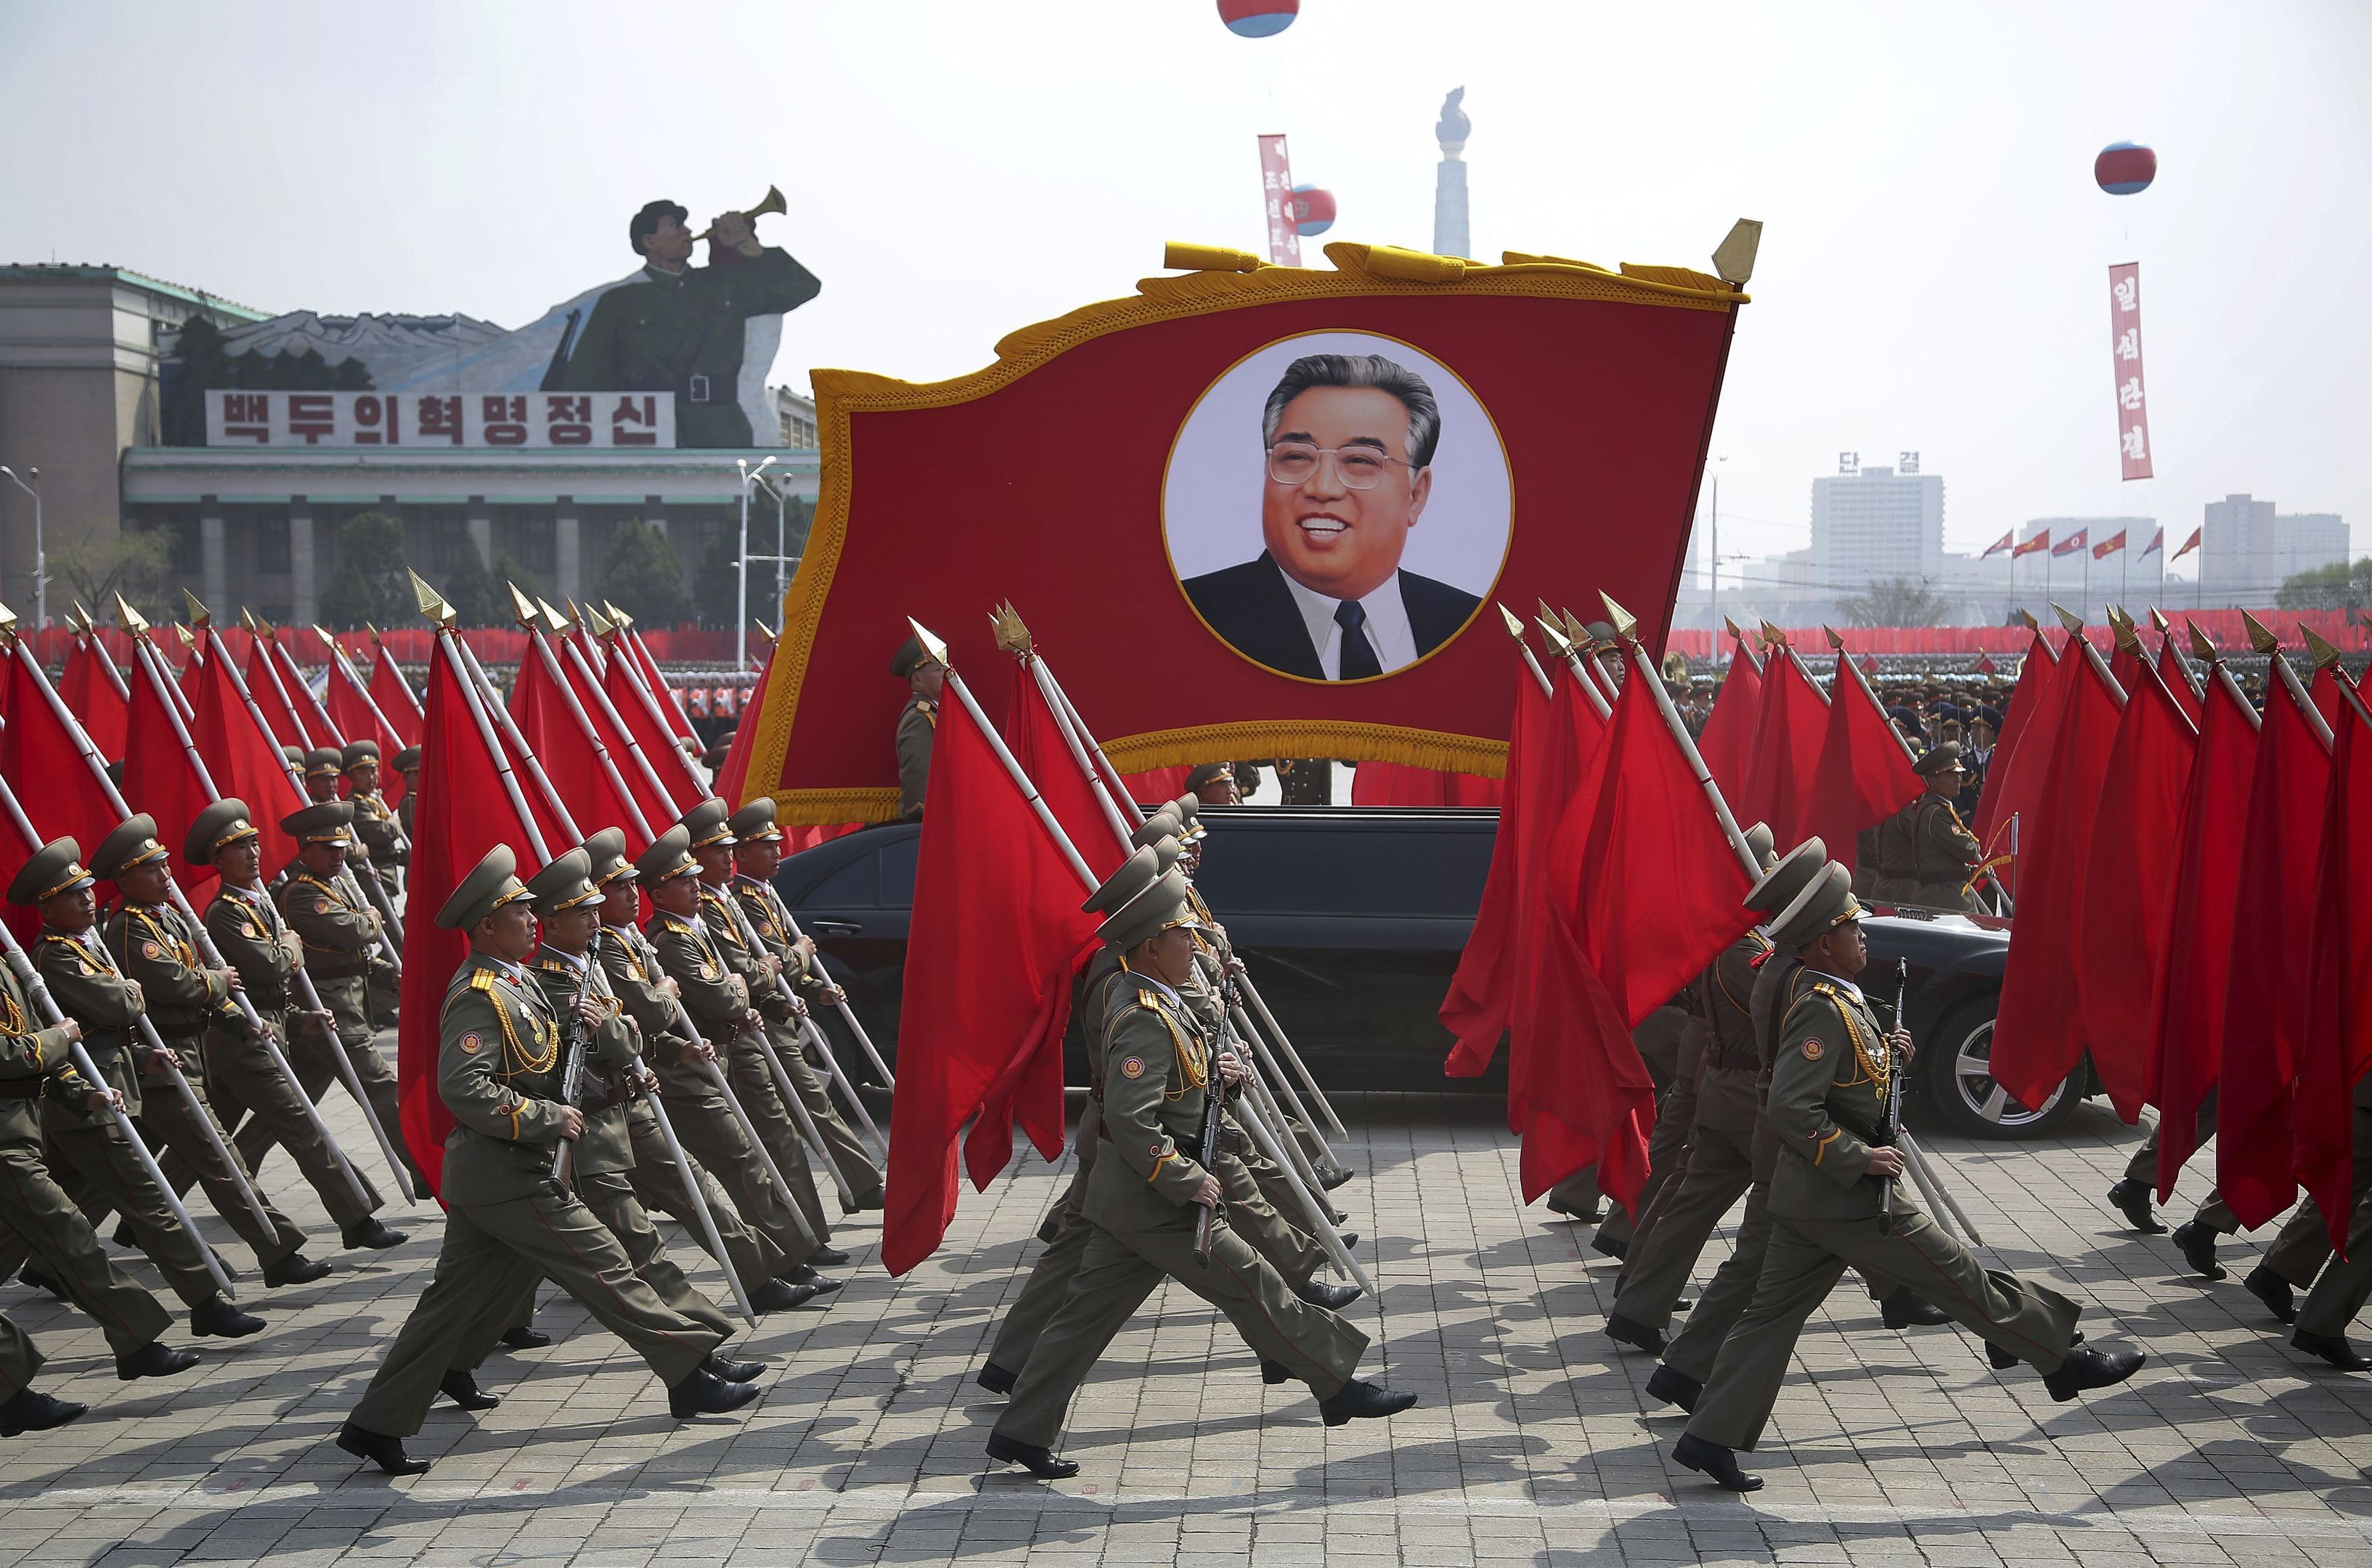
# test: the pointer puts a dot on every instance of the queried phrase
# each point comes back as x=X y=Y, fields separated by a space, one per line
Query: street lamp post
x=742 y=620
x=41 y=561
x=1713 y=556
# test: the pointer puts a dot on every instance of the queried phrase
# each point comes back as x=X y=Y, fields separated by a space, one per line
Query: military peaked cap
x=486 y=889
x=56 y=868
x=133 y=843
x=325 y=823
x=564 y=884
x=218 y=827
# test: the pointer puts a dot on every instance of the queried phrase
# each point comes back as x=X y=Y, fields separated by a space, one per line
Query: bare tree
x=1895 y=601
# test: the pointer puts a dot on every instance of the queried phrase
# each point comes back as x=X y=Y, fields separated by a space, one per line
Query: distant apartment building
x=2247 y=550
x=1875 y=524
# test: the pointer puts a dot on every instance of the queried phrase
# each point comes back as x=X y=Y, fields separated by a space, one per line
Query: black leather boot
x=1713 y=1459
x=1361 y=1400
x=1038 y=1461
x=462 y=1388
x=385 y=1452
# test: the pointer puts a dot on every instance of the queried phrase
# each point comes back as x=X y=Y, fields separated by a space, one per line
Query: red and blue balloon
x=2125 y=169
x=1258 y=18
x=1313 y=211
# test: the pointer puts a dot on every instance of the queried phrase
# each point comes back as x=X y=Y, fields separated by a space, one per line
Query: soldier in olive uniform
x=241 y=1075
x=386 y=843
x=1213 y=783
x=1923 y=854
x=1145 y=1191
x=39 y=1221
x=1828 y=1098
x=508 y=1221
x=918 y=722
x=772 y=1277
x=155 y=946
x=341 y=937
x=95 y=1165
x=407 y=762
x=756 y=848
x=717 y=996
x=2342 y=1286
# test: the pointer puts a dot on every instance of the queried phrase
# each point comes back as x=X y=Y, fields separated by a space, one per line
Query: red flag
x=264 y=683
x=1394 y=784
x=995 y=934
x=2072 y=543
x=393 y=695
x=2022 y=753
x=1158 y=785
x=540 y=707
x=608 y=722
x=2108 y=546
x=356 y=719
x=1571 y=736
x=1985 y=665
x=1786 y=759
x=2337 y=1046
x=159 y=777
x=2040 y=542
x=90 y=693
x=244 y=760
x=2039 y=1032
x=1728 y=743
x=2323 y=692
x=733 y=778
x=463 y=812
x=2177 y=679
x=1865 y=776
x=2264 y=1000
x=2186 y=1027
x=2005 y=542
x=1476 y=1007
x=644 y=718
x=2189 y=544
x=2157 y=543
x=2126 y=891
x=43 y=760
x=1588 y=1100
x=670 y=707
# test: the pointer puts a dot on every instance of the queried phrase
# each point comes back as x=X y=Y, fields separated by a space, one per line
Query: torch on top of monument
x=1452 y=129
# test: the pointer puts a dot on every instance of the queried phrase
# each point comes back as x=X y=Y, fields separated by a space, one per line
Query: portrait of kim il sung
x=1372 y=461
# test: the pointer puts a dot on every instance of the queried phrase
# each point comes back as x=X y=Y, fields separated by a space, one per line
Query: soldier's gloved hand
x=1887 y=1163
x=1901 y=1041
x=1208 y=1193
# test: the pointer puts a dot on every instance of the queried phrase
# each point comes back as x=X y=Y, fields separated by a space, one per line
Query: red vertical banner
x=2125 y=355
x=1276 y=201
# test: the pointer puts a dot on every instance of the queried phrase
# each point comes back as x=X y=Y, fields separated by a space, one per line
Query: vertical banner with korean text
x=1276 y=203
x=2125 y=337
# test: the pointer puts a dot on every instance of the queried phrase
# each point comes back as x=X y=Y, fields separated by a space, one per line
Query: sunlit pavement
x=1534 y=1442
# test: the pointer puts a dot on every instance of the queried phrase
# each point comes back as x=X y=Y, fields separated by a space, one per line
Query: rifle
x=1208 y=1153
x=574 y=1040
x=1891 y=1123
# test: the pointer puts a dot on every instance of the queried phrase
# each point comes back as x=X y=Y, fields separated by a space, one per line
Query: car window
x=1376 y=871
x=856 y=884
x=898 y=861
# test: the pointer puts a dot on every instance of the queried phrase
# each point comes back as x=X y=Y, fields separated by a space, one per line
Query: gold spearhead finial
x=618 y=618
x=2202 y=646
x=1515 y=627
x=2325 y=655
x=433 y=607
x=2158 y=619
x=1005 y=629
x=576 y=613
x=1772 y=636
x=265 y=628
x=2027 y=616
x=198 y=616
x=554 y=621
x=1734 y=631
x=931 y=644
x=1546 y=615
x=2128 y=635
x=1834 y=641
x=7 y=620
x=82 y=617
x=771 y=634
x=601 y=624
x=1575 y=633
x=2260 y=636
x=128 y=618
x=246 y=618
x=2069 y=619
x=1559 y=644
x=329 y=642
x=1625 y=623
x=187 y=640
x=522 y=607
x=374 y=634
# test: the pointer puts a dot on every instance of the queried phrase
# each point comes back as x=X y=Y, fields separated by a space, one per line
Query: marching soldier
x=756 y=849
x=508 y=1221
x=102 y=1171
x=717 y=998
x=1923 y=854
x=1828 y=1098
x=341 y=937
x=383 y=838
x=241 y=1077
x=407 y=762
x=155 y=946
x=2343 y=1285
x=771 y=1278
x=40 y=1222
x=1145 y=1189
x=918 y=722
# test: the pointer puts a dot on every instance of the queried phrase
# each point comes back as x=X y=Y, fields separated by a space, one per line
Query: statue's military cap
x=670 y=856
x=564 y=884
x=324 y=823
x=56 y=868
x=218 y=827
x=1787 y=876
x=608 y=850
x=1826 y=902
x=488 y=886
x=134 y=842
x=754 y=822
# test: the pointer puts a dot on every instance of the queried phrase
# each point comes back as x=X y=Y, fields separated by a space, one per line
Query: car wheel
x=1956 y=1072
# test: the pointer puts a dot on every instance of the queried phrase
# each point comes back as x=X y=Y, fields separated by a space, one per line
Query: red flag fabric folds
x=1573 y=734
x=90 y=695
x=265 y=682
x=1865 y=774
x=645 y=719
x=43 y=760
x=1728 y=743
x=540 y=707
x=2264 y=1001
x=2338 y=1040
x=244 y=760
x=2177 y=678
x=2186 y=1028
x=2038 y=1033
x=356 y=720
x=393 y=695
x=2021 y=755
x=1788 y=735
x=995 y=934
x=2127 y=886
x=159 y=777
x=733 y=778
x=463 y=812
x=1475 y=1010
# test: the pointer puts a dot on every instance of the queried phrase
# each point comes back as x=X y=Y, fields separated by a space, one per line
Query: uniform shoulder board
x=1825 y=989
x=481 y=980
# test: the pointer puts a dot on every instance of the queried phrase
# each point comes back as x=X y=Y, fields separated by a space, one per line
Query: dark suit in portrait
x=1253 y=610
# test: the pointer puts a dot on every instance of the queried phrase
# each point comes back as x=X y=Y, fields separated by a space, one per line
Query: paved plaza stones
x=1534 y=1443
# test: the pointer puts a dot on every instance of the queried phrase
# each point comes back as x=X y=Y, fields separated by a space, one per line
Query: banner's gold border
x=1361 y=272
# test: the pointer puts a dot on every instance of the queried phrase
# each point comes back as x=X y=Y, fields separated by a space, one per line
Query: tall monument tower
x=1450 y=235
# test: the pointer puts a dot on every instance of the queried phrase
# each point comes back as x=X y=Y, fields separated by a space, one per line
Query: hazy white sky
x=1933 y=275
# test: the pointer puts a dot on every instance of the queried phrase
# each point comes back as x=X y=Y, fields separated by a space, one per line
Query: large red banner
x=1254 y=511
x=2125 y=348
